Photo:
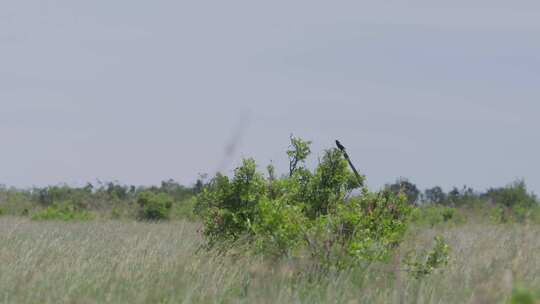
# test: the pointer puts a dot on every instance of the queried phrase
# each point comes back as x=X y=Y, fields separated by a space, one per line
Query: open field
x=133 y=262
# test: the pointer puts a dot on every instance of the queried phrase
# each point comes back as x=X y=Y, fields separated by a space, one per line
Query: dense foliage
x=154 y=206
x=524 y=296
x=305 y=212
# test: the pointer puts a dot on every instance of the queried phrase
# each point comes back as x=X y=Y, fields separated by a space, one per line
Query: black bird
x=340 y=146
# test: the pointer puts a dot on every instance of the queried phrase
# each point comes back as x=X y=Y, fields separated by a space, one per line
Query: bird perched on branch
x=340 y=146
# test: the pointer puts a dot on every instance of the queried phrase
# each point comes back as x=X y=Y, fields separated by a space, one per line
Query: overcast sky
x=142 y=91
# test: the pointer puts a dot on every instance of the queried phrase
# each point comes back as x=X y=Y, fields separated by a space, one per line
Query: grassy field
x=133 y=262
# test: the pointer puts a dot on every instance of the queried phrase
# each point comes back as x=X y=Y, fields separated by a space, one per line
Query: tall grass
x=134 y=262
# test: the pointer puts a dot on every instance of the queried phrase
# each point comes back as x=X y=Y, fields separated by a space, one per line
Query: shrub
x=513 y=195
x=512 y=203
x=154 y=206
x=425 y=263
x=305 y=211
x=229 y=206
x=65 y=211
x=524 y=296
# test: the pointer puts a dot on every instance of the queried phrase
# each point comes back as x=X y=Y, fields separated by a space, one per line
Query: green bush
x=513 y=195
x=305 y=211
x=154 y=206
x=230 y=206
x=426 y=262
x=512 y=203
x=65 y=211
x=500 y=214
x=524 y=296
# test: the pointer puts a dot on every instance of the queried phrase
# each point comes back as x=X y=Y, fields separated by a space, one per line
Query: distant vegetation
x=169 y=200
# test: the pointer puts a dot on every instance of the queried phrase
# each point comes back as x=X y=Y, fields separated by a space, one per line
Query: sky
x=441 y=92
